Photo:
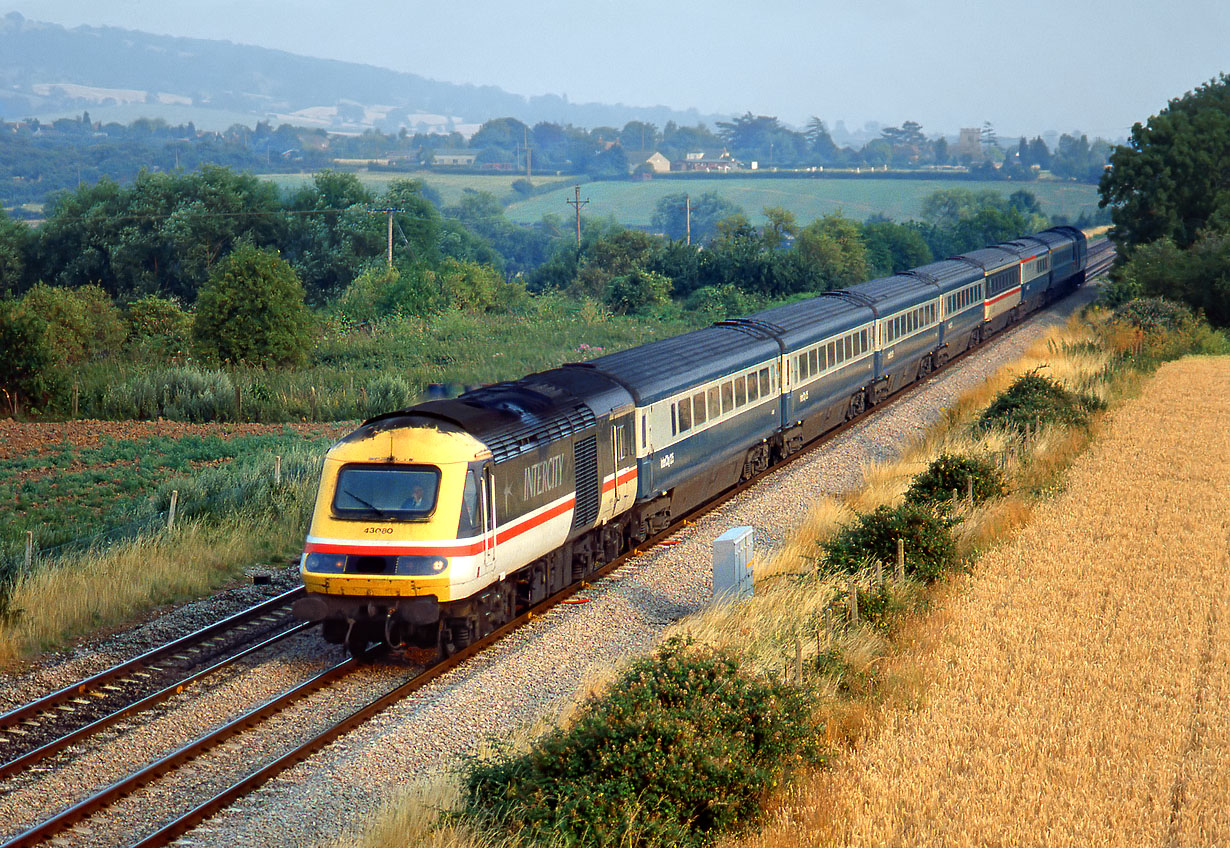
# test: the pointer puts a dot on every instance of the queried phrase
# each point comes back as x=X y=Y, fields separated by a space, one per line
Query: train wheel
x=359 y=643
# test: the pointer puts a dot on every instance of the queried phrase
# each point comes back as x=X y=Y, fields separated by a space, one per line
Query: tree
x=822 y=145
x=637 y=291
x=1173 y=176
x=252 y=311
x=15 y=242
x=82 y=323
x=833 y=249
x=670 y=215
x=1198 y=276
x=27 y=365
x=894 y=247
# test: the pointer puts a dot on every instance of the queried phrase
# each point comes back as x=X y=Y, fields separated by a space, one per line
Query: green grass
x=73 y=493
x=632 y=203
x=360 y=371
x=450 y=186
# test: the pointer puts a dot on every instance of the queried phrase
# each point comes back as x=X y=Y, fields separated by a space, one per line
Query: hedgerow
x=948 y=473
x=1034 y=399
x=930 y=547
x=681 y=749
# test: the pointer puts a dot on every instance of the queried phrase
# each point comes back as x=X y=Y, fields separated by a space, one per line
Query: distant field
x=632 y=203
x=450 y=186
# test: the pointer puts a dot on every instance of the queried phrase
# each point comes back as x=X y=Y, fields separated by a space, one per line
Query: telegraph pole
x=577 y=204
x=390 y=213
x=687 y=217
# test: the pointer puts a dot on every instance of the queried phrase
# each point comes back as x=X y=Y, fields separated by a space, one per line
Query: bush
x=252 y=311
x=681 y=749
x=724 y=300
x=637 y=291
x=930 y=548
x=946 y=473
x=158 y=328
x=180 y=394
x=82 y=323
x=1034 y=399
x=387 y=393
x=27 y=368
x=1153 y=314
x=382 y=292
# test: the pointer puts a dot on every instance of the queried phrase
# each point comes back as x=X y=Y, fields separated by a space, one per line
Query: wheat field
x=1077 y=687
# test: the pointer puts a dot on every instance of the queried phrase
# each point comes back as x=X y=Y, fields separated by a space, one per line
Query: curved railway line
x=69 y=716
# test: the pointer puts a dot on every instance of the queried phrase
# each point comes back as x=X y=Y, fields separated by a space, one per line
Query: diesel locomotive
x=435 y=524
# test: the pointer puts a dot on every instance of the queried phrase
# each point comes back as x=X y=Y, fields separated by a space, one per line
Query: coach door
x=488 y=521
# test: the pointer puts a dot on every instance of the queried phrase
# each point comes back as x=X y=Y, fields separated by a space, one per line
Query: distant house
x=706 y=160
x=649 y=160
x=446 y=157
x=969 y=143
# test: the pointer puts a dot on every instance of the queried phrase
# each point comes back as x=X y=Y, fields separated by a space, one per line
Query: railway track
x=46 y=726
x=1101 y=256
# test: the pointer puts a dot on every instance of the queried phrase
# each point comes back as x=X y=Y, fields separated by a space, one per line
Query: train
x=436 y=524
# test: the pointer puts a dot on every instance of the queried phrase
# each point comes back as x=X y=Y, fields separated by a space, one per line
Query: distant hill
x=48 y=71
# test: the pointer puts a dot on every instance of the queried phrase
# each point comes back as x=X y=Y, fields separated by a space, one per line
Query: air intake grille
x=586 y=456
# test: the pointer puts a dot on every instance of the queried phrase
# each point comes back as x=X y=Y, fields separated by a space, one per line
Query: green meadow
x=632 y=203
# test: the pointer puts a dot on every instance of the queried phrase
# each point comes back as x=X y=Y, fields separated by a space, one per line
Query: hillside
x=49 y=71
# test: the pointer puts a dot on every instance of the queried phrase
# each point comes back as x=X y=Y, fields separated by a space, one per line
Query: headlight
x=420 y=565
x=324 y=563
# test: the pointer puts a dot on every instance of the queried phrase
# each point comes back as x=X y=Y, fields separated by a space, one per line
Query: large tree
x=252 y=311
x=1173 y=176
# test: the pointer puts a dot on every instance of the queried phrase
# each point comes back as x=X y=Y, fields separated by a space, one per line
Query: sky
x=1093 y=65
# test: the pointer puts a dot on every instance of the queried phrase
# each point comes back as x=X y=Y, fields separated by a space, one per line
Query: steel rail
x=41 y=753
x=70 y=816
x=61 y=696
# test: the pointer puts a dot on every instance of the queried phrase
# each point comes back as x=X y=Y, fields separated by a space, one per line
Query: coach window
x=674 y=422
x=715 y=402
x=752 y=391
x=740 y=391
x=728 y=397
x=698 y=408
x=764 y=382
x=815 y=365
x=685 y=415
x=801 y=367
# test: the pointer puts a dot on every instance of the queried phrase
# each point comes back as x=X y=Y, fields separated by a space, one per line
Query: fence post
x=853 y=604
x=76 y=398
x=29 y=550
x=879 y=573
x=313 y=396
x=277 y=470
x=238 y=402
x=901 y=559
x=798 y=662
x=969 y=489
x=171 y=509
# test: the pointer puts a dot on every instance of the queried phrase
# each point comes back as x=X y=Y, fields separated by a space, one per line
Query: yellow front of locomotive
x=396 y=530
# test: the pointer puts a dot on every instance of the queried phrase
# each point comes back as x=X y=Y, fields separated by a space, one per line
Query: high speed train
x=434 y=525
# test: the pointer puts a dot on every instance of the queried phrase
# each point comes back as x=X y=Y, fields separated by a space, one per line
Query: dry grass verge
x=1077 y=686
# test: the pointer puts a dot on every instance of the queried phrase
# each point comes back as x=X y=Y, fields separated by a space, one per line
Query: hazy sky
x=1096 y=65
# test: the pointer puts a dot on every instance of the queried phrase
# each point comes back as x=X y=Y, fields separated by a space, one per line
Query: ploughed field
x=71 y=480
x=1079 y=684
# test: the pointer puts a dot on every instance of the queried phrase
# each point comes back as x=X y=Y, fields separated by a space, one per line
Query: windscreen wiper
x=367 y=504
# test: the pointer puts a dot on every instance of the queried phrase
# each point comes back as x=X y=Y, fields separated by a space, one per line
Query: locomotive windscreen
x=381 y=491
